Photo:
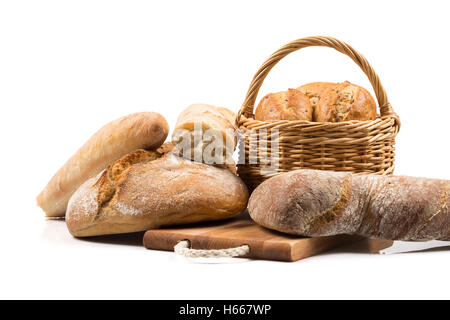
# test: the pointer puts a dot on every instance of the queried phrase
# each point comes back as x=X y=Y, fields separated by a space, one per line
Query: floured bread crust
x=344 y=102
x=146 y=130
x=149 y=189
x=323 y=203
x=302 y=202
x=284 y=105
x=210 y=121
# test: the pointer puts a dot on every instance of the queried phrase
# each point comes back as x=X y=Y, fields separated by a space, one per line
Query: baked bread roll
x=284 y=105
x=314 y=90
x=317 y=203
x=149 y=189
x=213 y=142
x=117 y=138
x=343 y=102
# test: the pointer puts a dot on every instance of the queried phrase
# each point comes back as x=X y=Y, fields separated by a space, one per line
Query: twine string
x=183 y=248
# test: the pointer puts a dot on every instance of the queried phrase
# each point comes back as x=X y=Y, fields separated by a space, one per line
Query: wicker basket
x=355 y=146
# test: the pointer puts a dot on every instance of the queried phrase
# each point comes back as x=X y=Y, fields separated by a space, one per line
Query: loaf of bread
x=117 y=138
x=323 y=203
x=344 y=102
x=206 y=134
x=314 y=91
x=284 y=105
x=149 y=189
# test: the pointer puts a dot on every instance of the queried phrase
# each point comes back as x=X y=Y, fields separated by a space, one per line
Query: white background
x=68 y=67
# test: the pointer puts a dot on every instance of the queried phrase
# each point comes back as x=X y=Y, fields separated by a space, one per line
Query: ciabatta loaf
x=323 y=203
x=149 y=189
x=117 y=138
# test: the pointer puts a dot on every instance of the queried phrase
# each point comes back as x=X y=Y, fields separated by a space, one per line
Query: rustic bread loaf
x=229 y=115
x=314 y=90
x=343 y=102
x=284 y=105
x=323 y=203
x=215 y=127
x=149 y=189
x=117 y=138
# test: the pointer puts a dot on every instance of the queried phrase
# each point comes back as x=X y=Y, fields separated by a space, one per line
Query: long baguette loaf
x=322 y=203
x=117 y=138
x=200 y=128
x=148 y=189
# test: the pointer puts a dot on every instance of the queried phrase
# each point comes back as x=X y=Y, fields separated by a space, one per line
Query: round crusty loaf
x=314 y=90
x=146 y=130
x=146 y=190
x=284 y=105
x=343 y=102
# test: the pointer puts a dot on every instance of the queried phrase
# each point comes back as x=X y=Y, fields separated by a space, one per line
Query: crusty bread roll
x=284 y=105
x=212 y=123
x=117 y=138
x=324 y=203
x=148 y=189
x=343 y=102
x=314 y=90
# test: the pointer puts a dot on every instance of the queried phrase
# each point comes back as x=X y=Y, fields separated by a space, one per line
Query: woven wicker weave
x=356 y=146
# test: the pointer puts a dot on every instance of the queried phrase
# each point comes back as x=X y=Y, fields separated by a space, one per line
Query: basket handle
x=319 y=41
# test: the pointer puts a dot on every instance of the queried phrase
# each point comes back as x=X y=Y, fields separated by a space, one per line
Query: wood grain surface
x=264 y=243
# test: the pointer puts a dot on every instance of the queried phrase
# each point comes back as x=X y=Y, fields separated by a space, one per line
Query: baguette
x=149 y=189
x=322 y=203
x=200 y=128
x=117 y=138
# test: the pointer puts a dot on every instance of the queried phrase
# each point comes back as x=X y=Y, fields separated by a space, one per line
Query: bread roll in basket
x=268 y=148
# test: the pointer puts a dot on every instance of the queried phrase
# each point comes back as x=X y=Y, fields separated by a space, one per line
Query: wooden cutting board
x=264 y=243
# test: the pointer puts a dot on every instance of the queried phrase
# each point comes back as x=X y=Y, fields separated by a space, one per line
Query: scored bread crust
x=115 y=139
x=324 y=203
x=314 y=90
x=149 y=189
x=284 y=105
x=300 y=202
x=344 y=102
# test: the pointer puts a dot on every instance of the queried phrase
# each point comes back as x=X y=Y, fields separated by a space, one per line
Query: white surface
x=67 y=68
